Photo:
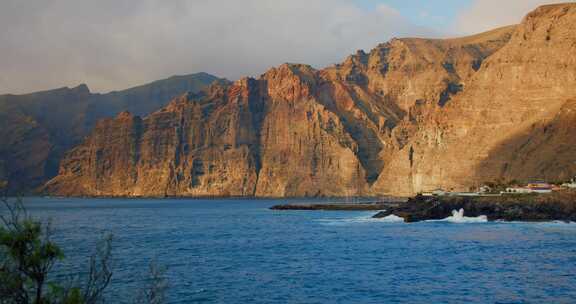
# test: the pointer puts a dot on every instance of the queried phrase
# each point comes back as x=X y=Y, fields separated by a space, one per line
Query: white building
x=570 y=185
x=437 y=192
x=518 y=190
x=485 y=189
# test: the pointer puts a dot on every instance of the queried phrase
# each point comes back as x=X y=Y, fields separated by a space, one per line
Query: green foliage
x=28 y=255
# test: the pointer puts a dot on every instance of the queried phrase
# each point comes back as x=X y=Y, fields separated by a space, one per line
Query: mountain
x=410 y=115
x=514 y=118
x=36 y=129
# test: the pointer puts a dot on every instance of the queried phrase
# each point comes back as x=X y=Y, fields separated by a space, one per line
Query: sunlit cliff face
x=411 y=115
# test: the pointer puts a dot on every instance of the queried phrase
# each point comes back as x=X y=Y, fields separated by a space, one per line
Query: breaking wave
x=392 y=219
x=459 y=218
x=360 y=220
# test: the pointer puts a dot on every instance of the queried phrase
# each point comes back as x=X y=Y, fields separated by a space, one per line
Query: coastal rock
x=336 y=207
x=556 y=207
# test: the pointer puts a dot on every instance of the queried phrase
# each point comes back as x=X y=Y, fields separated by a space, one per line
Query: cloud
x=484 y=15
x=113 y=44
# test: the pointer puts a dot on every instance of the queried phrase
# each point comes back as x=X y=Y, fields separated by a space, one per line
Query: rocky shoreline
x=557 y=206
x=560 y=206
x=339 y=207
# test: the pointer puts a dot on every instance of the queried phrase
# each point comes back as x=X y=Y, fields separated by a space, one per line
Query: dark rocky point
x=337 y=207
x=560 y=206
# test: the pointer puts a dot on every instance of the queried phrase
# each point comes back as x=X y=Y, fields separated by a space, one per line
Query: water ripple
x=237 y=251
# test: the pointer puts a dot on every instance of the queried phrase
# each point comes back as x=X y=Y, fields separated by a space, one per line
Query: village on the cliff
x=539 y=187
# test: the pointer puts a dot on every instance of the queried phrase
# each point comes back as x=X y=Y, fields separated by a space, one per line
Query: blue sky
x=439 y=15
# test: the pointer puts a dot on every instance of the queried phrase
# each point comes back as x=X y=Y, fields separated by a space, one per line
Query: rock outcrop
x=560 y=206
x=410 y=115
x=37 y=129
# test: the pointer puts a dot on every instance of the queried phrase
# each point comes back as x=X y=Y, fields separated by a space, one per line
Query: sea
x=239 y=251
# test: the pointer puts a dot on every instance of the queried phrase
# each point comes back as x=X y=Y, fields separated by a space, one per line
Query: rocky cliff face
x=512 y=120
x=252 y=137
x=410 y=115
x=36 y=129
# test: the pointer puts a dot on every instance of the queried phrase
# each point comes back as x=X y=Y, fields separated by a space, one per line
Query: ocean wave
x=360 y=220
x=392 y=219
x=459 y=218
x=539 y=223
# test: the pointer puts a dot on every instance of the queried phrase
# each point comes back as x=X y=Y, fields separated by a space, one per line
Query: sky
x=116 y=44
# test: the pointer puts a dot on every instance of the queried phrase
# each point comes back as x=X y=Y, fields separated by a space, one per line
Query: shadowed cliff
x=546 y=150
x=36 y=129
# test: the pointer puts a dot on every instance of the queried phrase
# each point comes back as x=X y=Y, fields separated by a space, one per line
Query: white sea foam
x=392 y=219
x=367 y=218
x=459 y=218
x=543 y=223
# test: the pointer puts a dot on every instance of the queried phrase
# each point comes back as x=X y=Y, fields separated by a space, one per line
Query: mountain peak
x=550 y=10
x=82 y=88
x=124 y=115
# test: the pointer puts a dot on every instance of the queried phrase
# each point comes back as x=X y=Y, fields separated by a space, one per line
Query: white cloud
x=112 y=44
x=484 y=15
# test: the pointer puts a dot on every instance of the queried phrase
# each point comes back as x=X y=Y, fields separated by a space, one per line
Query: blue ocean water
x=238 y=251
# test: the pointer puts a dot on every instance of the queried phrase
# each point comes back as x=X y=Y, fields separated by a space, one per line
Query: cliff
x=233 y=141
x=38 y=128
x=410 y=115
x=514 y=118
